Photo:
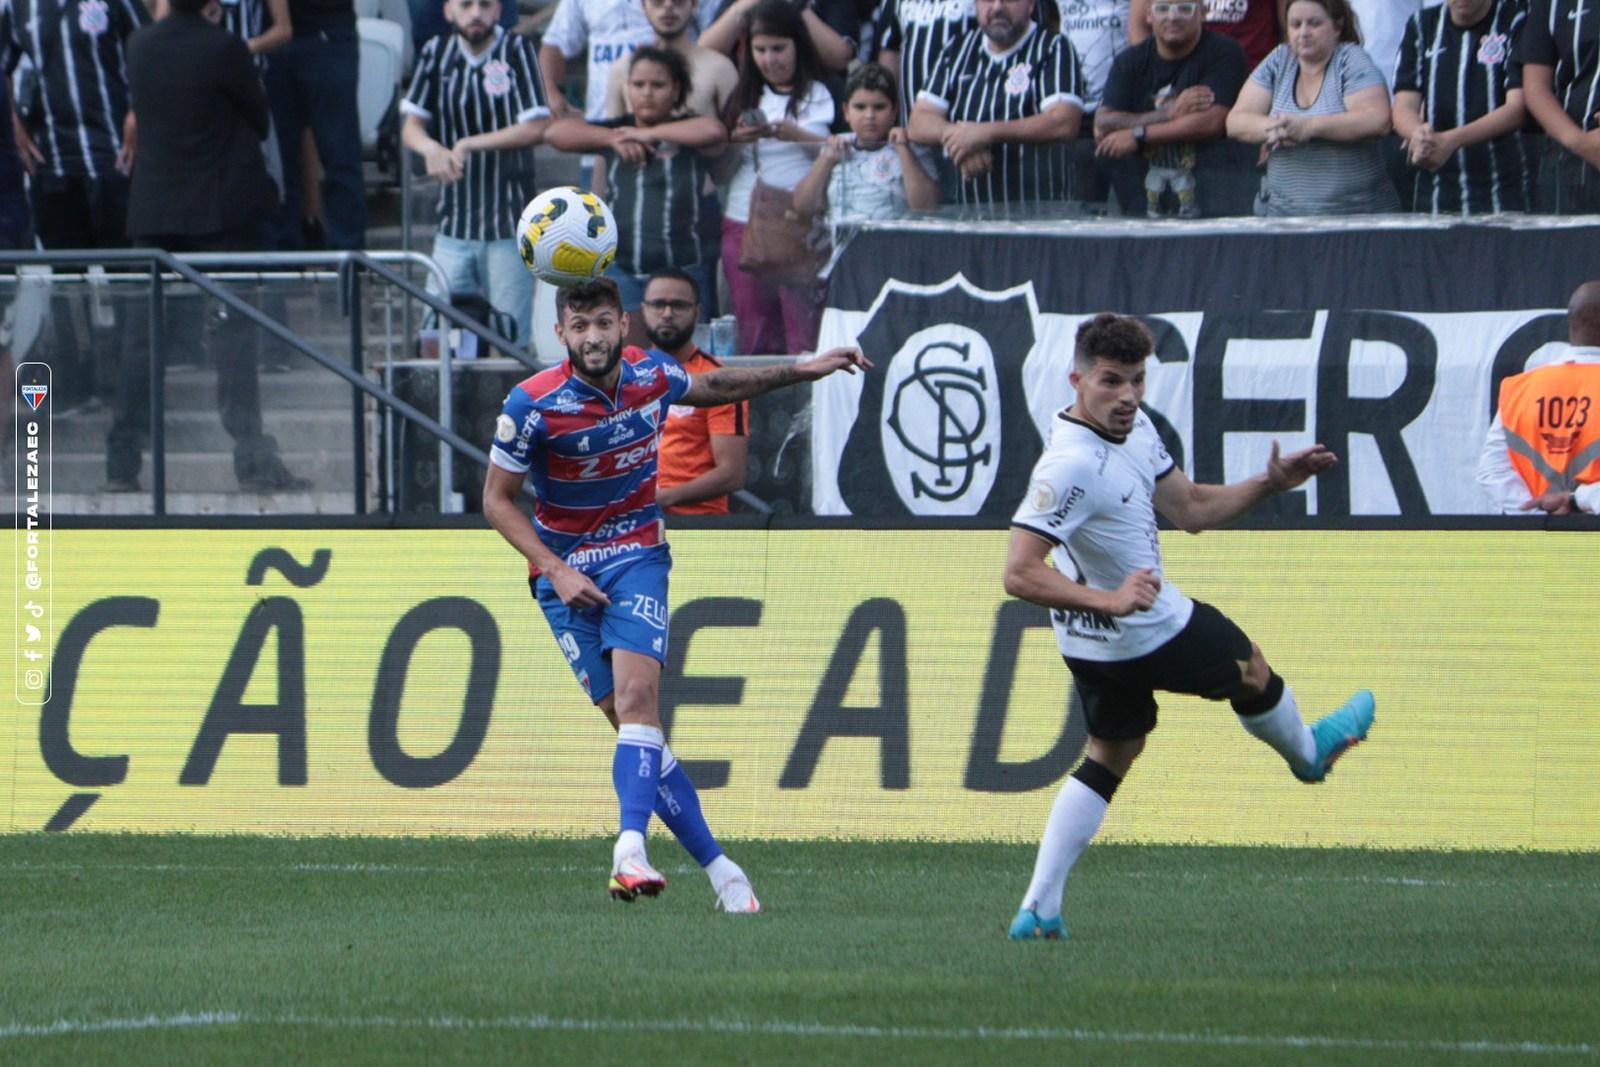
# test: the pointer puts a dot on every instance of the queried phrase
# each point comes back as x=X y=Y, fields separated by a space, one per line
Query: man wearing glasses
x=1165 y=106
x=703 y=450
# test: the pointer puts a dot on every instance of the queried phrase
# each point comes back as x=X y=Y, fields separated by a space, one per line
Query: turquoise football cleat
x=1338 y=731
x=1028 y=926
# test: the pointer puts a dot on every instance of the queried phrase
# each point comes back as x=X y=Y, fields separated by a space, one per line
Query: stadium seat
x=378 y=89
x=399 y=13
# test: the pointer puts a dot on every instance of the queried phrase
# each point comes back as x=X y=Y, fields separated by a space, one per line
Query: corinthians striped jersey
x=973 y=84
x=246 y=19
x=1463 y=73
x=1565 y=35
x=78 y=48
x=920 y=31
x=658 y=207
x=459 y=95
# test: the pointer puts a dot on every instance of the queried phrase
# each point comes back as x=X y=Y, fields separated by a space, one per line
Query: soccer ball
x=567 y=236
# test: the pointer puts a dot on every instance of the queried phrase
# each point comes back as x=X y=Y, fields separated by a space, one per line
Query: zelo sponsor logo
x=818 y=683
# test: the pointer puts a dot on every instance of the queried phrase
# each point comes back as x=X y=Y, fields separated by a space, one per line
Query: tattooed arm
x=731 y=384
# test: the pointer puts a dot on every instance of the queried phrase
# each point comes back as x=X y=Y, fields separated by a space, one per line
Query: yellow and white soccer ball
x=567 y=236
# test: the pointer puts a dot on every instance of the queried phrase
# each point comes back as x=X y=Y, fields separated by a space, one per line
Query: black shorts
x=1118 y=696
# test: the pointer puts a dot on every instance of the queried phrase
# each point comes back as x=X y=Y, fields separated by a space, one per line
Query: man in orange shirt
x=703 y=450
x=1543 y=448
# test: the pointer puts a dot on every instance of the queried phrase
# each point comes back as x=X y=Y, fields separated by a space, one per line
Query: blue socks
x=678 y=806
x=635 y=772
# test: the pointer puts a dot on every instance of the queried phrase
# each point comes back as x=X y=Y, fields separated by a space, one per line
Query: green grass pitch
x=162 y=950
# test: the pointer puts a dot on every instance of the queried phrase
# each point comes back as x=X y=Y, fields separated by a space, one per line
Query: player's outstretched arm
x=731 y=384
x=500 y=490
x=1205 y=507
x=1029 y=577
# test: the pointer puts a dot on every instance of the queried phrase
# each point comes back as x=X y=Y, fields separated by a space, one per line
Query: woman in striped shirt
x=656 y=162
x=1320 y=106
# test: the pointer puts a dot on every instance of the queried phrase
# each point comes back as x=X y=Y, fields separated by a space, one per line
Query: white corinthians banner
x=967 y=381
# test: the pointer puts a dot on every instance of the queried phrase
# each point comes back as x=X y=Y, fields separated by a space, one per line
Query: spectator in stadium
x=657 y=164
x=832 y=26
x=312 y=82
x=601 y=31
x=872 y=172
x=1383 y=28
x=428 y=20
x=1542 y=452
x=712 y=75
x=1463 y=133
x=480 y=93
x=597 y=555
x=1256 y=24
x=1561 y=85
x=609 y=30
x=199 y=185
x=15 y=233
x=1320 y=106
x=15 y=221
x=78 y=149
x=703 y=451
x=1080 y=548
x=1003 y=102
x=1099 y=31
x=780 y=113
x=1165 y=108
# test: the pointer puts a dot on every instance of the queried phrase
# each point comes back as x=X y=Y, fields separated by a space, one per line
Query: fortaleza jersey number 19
x=1092 y=497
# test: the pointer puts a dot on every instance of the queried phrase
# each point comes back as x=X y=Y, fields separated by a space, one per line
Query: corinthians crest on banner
x=943 y=420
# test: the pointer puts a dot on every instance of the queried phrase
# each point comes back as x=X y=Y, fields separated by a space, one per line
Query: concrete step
x=306 y=430
x=308 y=503
x=203 y=472
x=303 y=388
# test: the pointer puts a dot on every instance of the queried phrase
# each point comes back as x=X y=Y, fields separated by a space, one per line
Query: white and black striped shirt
x=920 y=31
x=1565 y=35
x=973 y=84
x=79 y=49
x=459 y=95
x=658 y=207
x=1463 y=73
x=246 y=19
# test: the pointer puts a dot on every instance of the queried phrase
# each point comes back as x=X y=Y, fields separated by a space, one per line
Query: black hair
x=677 y=69
x=774 y=18
x=674 y=274
x=594 y=293
x=1118 y=338
x=873 y=78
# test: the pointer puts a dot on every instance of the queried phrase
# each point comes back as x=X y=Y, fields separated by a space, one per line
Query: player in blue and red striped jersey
x=587 y=431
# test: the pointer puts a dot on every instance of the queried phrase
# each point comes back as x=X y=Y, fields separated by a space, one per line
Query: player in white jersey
x=1123 y=630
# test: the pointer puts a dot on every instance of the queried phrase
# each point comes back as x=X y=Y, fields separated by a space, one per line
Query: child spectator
x=656 y=163
x=872 y=172
x=780 y=113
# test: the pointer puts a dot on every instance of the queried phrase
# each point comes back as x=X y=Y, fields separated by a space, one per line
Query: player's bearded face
x=594 y=341
x=1109 y=394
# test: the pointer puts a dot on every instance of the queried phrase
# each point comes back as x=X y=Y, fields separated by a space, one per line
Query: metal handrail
x=157 y=262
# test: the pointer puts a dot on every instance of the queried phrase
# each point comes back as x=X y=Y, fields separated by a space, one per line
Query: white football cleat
x=737 y=898
x=632 y=876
